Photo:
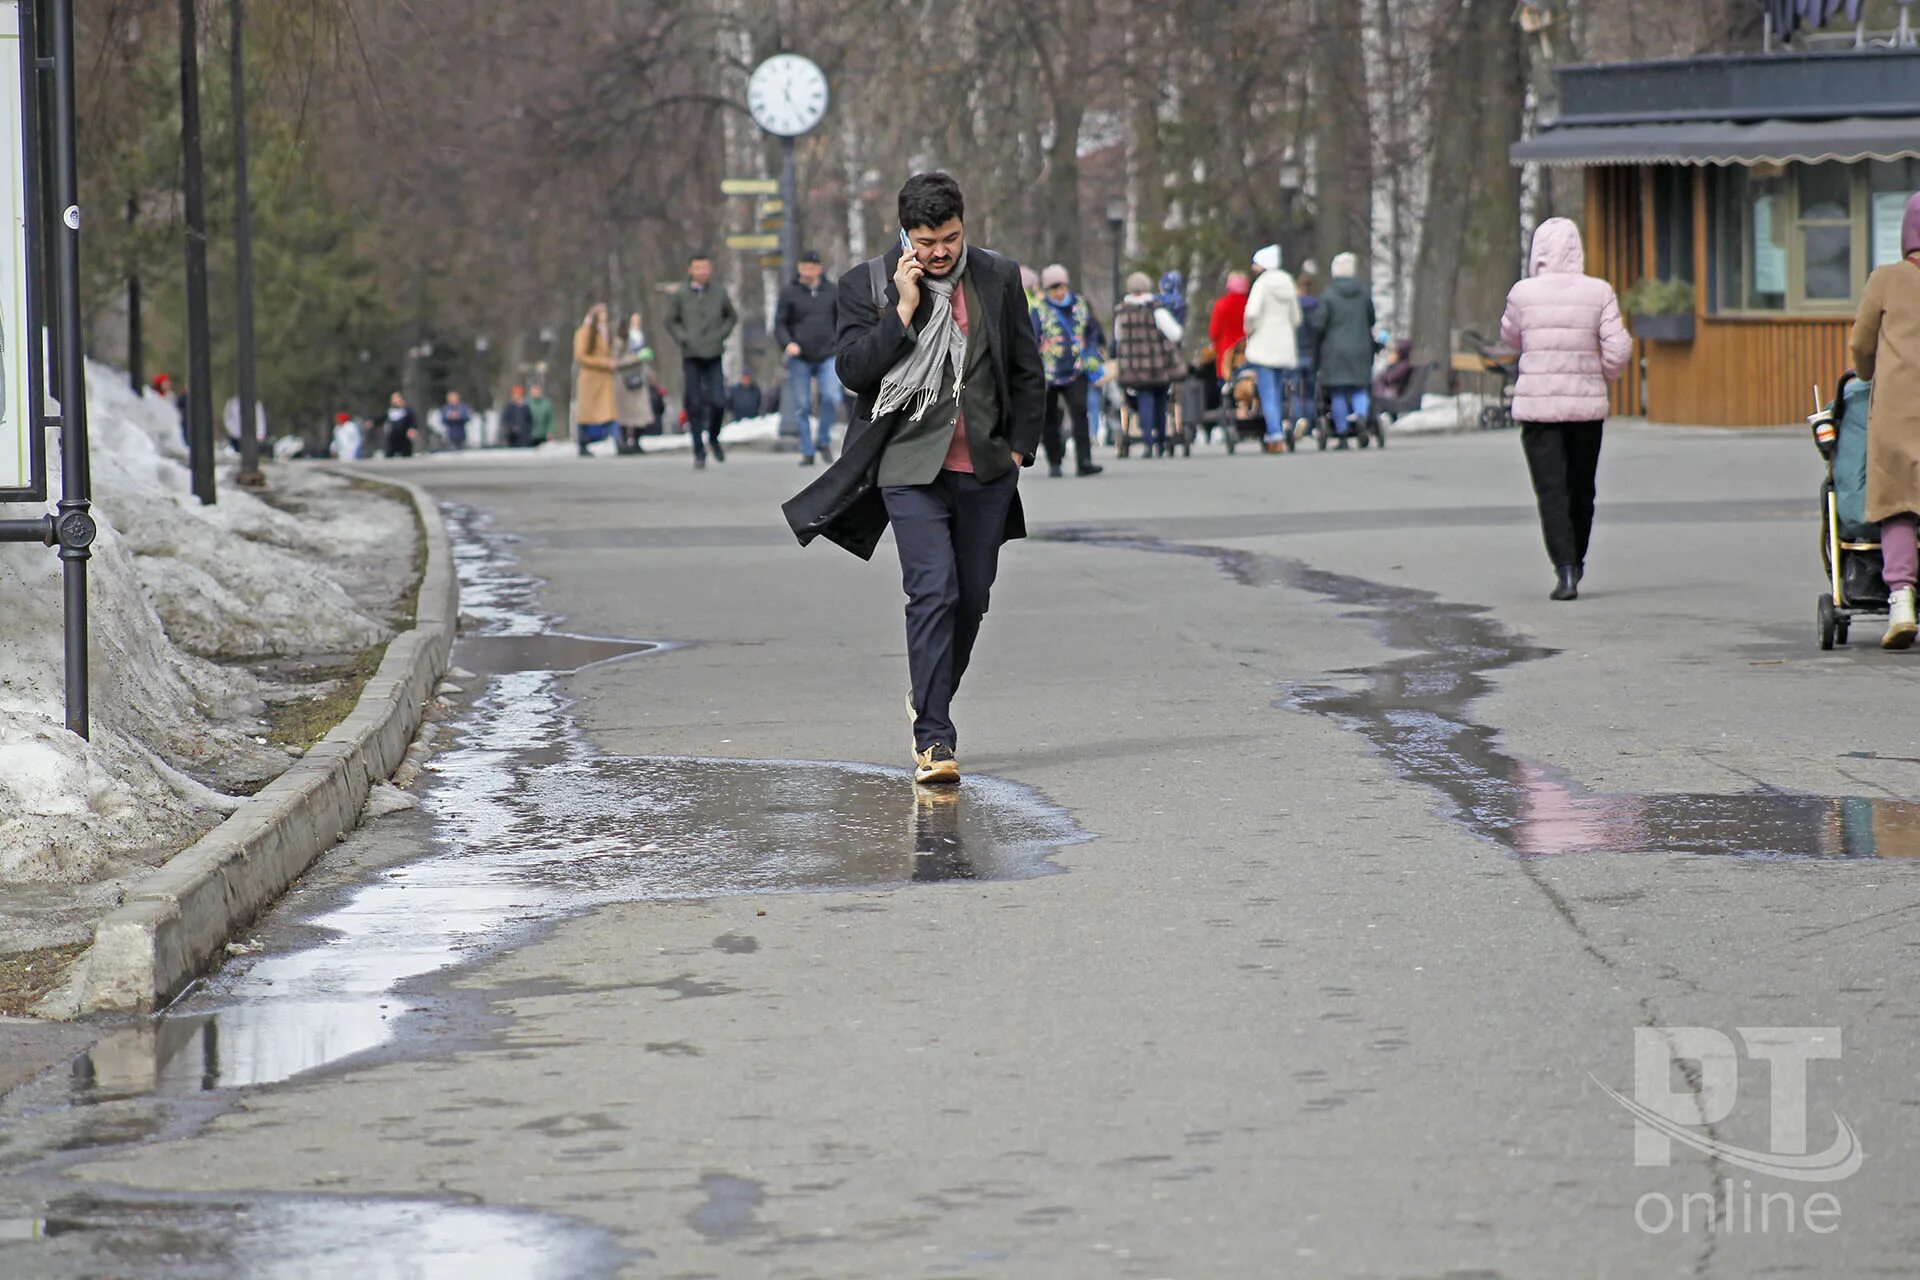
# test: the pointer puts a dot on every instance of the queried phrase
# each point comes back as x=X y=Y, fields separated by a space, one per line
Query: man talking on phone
x=934 y=341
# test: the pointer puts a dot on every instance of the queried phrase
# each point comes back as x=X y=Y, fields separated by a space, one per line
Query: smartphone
x=906 y=245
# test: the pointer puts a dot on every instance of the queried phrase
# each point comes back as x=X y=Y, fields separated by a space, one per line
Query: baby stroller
x=1496 y=358
x=1179 y=435
x=1364 y=432
x=1849 y=546
x=1241 y=417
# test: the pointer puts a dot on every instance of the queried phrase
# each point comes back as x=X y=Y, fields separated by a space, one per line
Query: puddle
x=275 y=1238
x=730 y=1209
x=531 y=823
x=554 y=651
x=1414 y=710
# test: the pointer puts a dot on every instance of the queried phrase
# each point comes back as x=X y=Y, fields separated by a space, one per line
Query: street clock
x=787 y=95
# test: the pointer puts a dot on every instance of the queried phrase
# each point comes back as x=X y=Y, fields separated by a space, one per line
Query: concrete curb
x=176 y=923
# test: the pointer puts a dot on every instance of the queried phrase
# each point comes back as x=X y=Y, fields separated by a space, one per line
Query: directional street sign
x=749 y=186
x=753 y=242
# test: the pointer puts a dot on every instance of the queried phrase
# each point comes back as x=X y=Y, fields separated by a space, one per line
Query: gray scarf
x=915 y=381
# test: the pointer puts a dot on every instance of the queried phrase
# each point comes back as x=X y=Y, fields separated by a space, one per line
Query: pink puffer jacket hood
x=1566 y=326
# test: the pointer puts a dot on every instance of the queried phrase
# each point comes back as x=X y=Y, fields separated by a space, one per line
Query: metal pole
x=200 y=438
x=243 y=263
x=74 y=525
x=136 y=340
x=789 y=250
x=1118 y=228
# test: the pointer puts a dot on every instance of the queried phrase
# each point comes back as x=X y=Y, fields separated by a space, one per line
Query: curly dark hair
x=931 y=200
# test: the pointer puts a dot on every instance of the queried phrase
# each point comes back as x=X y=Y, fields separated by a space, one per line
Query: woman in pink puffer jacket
x=1566 y=326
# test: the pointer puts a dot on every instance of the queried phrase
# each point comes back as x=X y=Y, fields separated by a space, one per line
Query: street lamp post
x=250 y=474
x=200 y=440
x=1117 y=223
x=1290 y=179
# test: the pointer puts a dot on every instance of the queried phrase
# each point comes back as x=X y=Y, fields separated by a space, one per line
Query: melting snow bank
x=172 y=585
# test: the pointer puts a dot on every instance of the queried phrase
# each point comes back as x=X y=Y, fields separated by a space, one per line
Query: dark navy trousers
x=948 y=534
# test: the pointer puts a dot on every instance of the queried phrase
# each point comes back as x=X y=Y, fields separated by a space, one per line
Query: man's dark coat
x=844 y=504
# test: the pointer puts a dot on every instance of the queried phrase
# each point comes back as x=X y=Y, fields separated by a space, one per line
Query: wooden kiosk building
x=1771 y=183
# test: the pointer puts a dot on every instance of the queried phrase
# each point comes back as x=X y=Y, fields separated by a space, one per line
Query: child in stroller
x=1849 y=546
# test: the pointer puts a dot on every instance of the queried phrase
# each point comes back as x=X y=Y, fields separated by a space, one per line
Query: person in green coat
x=542 y=413
x=1343 y=339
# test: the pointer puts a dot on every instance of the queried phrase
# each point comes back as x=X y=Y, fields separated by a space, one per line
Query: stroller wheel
x=1829 y=621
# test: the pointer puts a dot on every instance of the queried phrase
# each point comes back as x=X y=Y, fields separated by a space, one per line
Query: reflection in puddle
x=559 y=651
x=532 y=823
x=272 y=1238
x=1414 y=710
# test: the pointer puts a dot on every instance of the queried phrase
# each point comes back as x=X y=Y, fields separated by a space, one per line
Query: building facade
x=1772 y=184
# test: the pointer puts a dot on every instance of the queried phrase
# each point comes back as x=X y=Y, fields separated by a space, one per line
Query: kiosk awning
x=1717 y=142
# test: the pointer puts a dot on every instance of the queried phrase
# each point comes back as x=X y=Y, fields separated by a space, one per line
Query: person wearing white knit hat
x=1273 y=322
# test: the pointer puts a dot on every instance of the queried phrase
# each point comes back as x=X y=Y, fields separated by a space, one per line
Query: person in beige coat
x=1886 y=352
x=594 y=367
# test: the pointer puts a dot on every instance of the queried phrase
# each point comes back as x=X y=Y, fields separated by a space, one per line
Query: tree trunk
x=1455 y=107
x=1343 y=141
x=1494 y=256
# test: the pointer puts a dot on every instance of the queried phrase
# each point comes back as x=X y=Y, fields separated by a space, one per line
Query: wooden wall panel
x=1745 y=372
x=1618 y=251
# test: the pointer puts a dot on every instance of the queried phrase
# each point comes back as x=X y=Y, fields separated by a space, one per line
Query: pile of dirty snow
x=1438 y=414
x=171 y=585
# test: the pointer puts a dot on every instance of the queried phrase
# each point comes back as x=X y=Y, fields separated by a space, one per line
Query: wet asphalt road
x=1318 y=876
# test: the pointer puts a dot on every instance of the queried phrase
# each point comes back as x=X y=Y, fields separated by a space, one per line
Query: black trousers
x=1563 y=457
x=706 y=398
x=1073 y=399
x=948 y=534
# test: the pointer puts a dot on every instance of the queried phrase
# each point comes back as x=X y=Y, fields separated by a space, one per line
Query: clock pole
x=789 y=251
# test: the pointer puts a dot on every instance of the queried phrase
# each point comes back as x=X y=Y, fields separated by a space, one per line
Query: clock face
x=787 y=95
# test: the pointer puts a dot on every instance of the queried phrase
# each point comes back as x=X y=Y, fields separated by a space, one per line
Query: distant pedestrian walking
x=1069 y=342
x=1886 y=352
x=345 y=444
x=1227 y=326
x=540 y=409
x=455 y=419
x=1273 y=326
x=595 y=417
x=402 y=428
x=1566 y=326
x=743 y=398
x=1303 y=386
x=231 y=419
x=630 y=387
x=516 y=419
x=700 y=318
x=803 y=325
x=1146 y=342
x=1343 y=348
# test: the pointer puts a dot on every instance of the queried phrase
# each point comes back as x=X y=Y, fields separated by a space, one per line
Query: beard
x=940 y=270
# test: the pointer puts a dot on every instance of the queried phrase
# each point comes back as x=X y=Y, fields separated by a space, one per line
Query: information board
x=18 y=448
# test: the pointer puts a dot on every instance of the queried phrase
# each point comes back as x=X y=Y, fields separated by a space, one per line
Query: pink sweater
x=1566 y=326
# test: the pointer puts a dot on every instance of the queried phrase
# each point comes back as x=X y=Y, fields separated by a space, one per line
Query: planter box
x=1664 y=328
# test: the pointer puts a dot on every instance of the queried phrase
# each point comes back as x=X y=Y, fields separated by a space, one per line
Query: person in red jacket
x=1228 y=326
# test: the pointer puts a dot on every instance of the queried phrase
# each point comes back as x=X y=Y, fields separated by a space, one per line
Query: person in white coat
x=1273 y=349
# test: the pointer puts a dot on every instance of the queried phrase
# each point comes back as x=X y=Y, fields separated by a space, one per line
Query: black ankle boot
x=1567 y=587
